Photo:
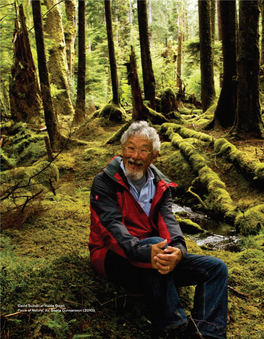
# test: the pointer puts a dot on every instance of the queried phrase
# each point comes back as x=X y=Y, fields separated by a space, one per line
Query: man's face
x=137 y=156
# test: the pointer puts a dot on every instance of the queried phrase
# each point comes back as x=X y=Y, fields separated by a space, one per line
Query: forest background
x=70 y=85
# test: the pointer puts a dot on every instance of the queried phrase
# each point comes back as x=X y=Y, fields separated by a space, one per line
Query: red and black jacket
x=118 y=222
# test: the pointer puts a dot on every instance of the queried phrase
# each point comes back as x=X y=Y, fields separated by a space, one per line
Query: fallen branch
x=239 y=294
x=197 y=196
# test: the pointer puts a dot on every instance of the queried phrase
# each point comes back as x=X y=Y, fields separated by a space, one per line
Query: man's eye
x=131 y=149
x=143 y=151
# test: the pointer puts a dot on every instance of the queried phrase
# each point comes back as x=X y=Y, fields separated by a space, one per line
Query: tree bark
x=70 y=32
x=248 y=120
x=24 y=92
x=206 y=55
x=150 y=21
x=262 y=33
x=111 y=50
x=80 y=103
x=139 y=110
x=148 y=73
x=226 y=107
x=50 y=117
x=57 y=64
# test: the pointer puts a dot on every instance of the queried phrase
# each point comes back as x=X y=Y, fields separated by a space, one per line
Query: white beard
x=136 y=175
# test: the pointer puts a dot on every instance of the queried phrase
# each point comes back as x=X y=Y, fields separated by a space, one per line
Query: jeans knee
x=222 y=268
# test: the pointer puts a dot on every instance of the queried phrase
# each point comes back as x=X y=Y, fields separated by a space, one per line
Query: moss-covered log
x=250 y=222
x=249 y=166
x=218 y=199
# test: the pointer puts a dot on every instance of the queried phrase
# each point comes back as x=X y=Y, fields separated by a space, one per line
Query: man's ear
x=155 y=156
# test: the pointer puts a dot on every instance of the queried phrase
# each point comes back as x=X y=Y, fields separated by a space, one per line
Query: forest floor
x=48 y=288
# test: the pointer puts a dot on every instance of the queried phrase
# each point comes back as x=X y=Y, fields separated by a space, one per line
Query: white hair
x=142 y=128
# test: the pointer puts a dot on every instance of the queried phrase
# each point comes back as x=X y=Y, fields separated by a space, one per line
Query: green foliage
x=55 y=91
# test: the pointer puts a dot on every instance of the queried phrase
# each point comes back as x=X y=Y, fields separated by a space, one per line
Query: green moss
x=6 y=162
x=25 y=177
x=259 y=172
x=242 y=160
x=188 y=226
x=173 y=164
x=251 y=221
x=113 y=113
x=168 y=101
x=218 y=198
x=64 y=162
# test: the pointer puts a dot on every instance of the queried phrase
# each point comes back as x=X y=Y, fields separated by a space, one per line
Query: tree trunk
x=206 y=55
x=179 y=51
x=111 y=50
x=262 y=33
x=57 y=64
x=150 y=22
x=80 y=103
x=50 y=117
x=24 y=92
x=212 y=15
x=148 y=74
x=70 y=32
x=225 y=111
x=139 y=110
x=248 y=120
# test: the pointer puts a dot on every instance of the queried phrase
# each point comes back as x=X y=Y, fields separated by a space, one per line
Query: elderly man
x=135 y=236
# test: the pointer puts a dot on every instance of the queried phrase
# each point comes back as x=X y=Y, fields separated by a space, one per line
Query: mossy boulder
x=113 y=113
x=251 y=221
x=40 y=173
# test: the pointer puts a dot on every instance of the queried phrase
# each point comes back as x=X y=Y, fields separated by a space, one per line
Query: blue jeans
x=210 y=302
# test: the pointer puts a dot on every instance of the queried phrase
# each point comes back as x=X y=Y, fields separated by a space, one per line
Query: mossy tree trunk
x=50 y=117
x=226 y=107
x=111 y=50
x=24 y=92
x=206 y=55
x=80 y=103
x=248 y=120
x=57 y=64
x=70 y=32
x=148 y=73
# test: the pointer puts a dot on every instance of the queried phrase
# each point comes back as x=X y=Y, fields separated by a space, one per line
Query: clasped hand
x=165 y=260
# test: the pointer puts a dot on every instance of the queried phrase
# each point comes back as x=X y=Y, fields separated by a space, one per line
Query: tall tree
x=57 y=64
x=248 y=120
x=206 y=55
x=50 y=116
x=150 y=21
x=226 y=107
x=24 y=92
x=70 y=32
x=80 y=103
x=148 y=73
x=111 y=51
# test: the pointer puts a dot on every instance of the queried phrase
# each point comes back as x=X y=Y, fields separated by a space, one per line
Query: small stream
x=219 y=236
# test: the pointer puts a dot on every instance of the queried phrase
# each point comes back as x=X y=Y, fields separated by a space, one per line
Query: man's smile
x=135 y=164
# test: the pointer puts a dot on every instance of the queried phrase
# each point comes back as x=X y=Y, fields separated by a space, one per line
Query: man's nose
x=136 y=154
